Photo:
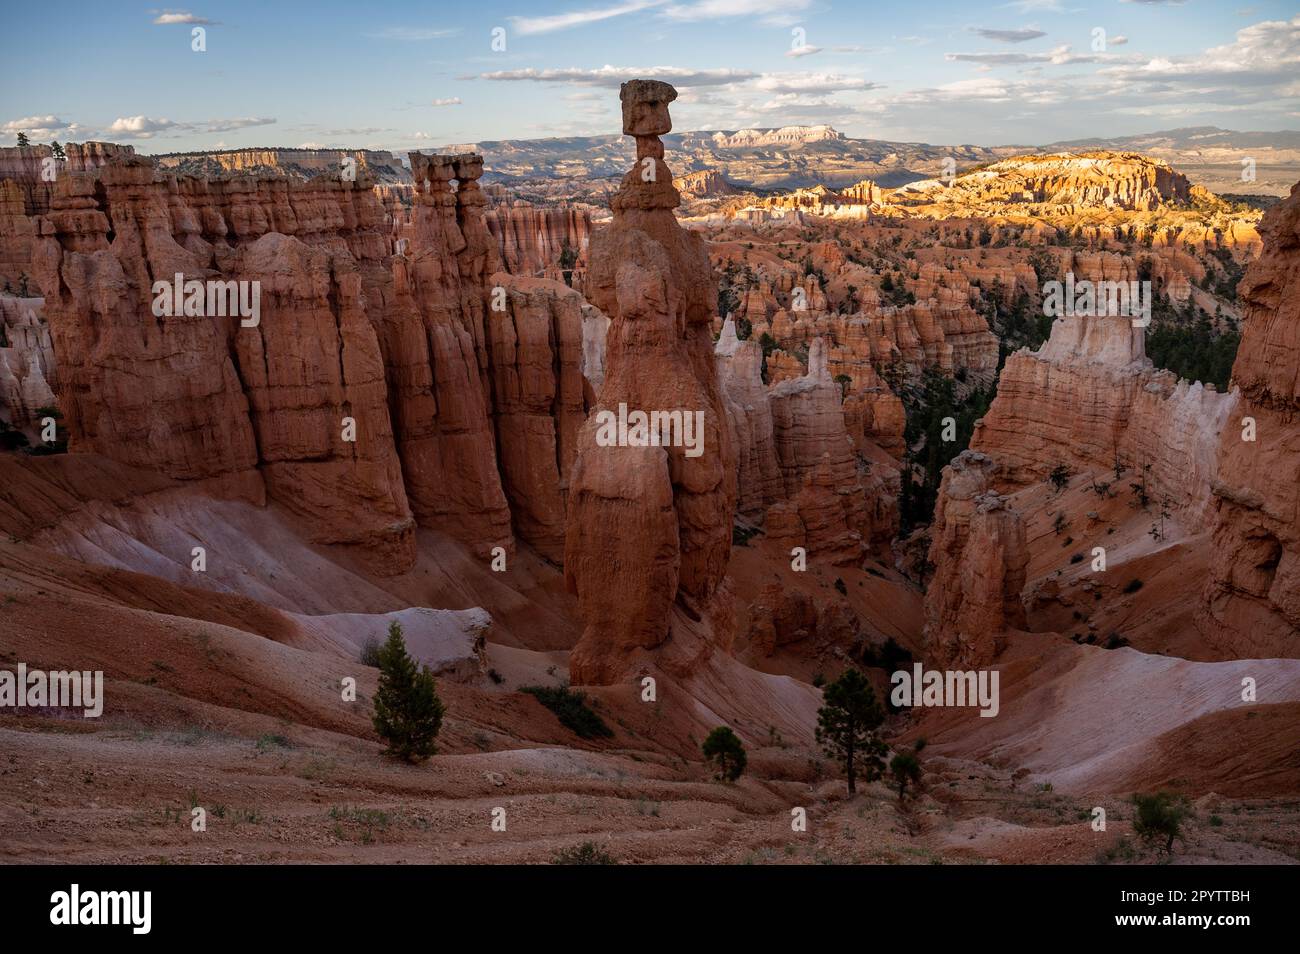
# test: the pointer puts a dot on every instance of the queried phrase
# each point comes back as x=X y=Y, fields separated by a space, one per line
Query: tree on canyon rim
x=408 y=712
x=848 y=727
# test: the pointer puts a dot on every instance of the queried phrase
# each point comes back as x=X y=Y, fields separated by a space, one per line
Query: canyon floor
x=215 y=700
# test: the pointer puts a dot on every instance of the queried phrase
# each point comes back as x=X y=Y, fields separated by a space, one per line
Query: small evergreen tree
x=568 y=258
x=848 y=727
x=724 y=749
x=23 y=140
x=408 y=712
x=906 y=768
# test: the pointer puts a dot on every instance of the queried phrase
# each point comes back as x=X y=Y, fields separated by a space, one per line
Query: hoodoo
x=648 y=527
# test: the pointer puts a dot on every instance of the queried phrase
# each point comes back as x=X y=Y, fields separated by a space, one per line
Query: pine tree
x=408 y=712
x=848 y=727
x=906 y=768
x=725 y=750
x=23 y=140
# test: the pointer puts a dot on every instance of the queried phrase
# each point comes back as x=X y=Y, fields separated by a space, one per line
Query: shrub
x=369 y=654
x=906 y=768
x=1060 y=476
x=1132 y=586
x=587 y=853
x=1160 y=816
x=725 y=750
x=408 y=712
x=571 y=709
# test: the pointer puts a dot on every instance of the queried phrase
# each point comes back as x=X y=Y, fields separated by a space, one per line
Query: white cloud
x=40 y=127
x=449 y=101
x=811 y=83
x=769 y=12
x=1009 y=36
x=1060 y=56
x=227 y=125
x=1033 y=6
x=1264 y=57
x=146 y=127
x=564 y=21
x=804 y=50
x=616 y=75
x=170 y=17
x=139 y=127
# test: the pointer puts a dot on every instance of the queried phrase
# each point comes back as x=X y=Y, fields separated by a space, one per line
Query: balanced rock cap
x=645 y=107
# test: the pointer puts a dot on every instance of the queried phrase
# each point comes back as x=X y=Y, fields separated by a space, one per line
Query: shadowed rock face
x=979 y=553
x=648 y=526
x=1252 y=601
x=402 y=345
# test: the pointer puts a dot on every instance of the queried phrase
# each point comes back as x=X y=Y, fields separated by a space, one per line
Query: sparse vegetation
x=1060 y=477
x=1160 y=816
x=726 y=752
x=906 y=768
x=587 y=853
x=572 y=710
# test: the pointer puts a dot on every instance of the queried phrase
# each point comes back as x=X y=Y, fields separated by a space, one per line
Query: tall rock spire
x=649 y=526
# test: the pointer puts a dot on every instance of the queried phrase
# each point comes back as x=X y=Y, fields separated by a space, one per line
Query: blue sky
x=404 y=75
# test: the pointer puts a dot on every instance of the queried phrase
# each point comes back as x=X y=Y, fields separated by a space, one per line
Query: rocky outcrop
x=27 y=180
x=980 y=557
x=360 y=398
x=648 y=526
x=1068 y=181
x=1090 y=399
x=759 y=480
x=1252 y=599
x=828 y=510
x=251 y=407
x=542 y=242
x=786 y=135
x=536 y=349
x=380 y=165
x=704 y=184
x=437 y=356
x=27 y=372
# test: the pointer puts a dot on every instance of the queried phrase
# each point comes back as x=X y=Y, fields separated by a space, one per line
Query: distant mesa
x=786 y=135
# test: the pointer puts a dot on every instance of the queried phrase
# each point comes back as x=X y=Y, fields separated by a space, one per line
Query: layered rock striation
x=648 y=526
x=980 y=557
x=1090 y=400
x=375 y=388
x=1252 y=599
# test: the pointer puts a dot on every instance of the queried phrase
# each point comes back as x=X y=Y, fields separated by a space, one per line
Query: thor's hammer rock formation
x=649 y=525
